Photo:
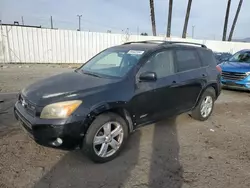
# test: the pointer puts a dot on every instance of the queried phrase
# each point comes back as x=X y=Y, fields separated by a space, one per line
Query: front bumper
x=238 y=85
x=45 y=132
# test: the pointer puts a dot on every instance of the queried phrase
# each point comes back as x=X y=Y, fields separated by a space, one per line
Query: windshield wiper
x=92 y=74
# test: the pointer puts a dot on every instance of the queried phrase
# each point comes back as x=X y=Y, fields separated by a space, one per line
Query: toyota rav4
x=97 y=106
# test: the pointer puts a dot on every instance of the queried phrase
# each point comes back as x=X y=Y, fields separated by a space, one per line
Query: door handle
x=204 y=75
x=174 y=84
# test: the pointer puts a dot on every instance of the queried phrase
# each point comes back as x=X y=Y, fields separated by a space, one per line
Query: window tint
x=162 y=63
x=207 y=57
x=110 y=60
x=187 y=60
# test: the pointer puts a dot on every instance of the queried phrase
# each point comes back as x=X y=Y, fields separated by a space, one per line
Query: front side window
x=112 y=62
x=241 y=57
x=162 y=63
x=187 y=60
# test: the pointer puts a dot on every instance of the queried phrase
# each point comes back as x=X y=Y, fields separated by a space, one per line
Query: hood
x=235 y=67
x=71 y=84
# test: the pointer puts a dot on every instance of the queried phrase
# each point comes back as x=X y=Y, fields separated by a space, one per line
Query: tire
x=197 y=111
x=97 y=127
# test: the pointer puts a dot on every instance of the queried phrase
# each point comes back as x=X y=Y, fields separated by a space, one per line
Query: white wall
x=36 y=45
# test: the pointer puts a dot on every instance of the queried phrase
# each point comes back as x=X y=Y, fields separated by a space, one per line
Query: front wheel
x=105 y=137
x=205 y=106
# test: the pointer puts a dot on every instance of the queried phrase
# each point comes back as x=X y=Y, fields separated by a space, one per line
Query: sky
x=207 y=16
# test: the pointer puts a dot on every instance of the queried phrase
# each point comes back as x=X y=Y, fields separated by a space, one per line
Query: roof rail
x=179 y=42
x=146 y=41
x=164 y=42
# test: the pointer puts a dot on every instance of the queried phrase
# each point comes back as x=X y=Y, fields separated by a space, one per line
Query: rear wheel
x=105 y=137
x=205 y=106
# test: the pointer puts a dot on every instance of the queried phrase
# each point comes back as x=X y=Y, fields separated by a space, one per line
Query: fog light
x=57 y=142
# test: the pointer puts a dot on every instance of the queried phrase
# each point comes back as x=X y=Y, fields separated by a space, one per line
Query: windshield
x=241 y=57
x=112 y=62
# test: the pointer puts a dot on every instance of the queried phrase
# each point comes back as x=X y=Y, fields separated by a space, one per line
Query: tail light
x=219 y=68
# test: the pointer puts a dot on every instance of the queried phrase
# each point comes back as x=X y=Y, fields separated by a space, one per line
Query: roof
x=152 y=45
x=245 y=50
x=158 y=43
x=138 y=46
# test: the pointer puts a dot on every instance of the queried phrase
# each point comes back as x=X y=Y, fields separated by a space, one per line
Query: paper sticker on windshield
x=135 y=52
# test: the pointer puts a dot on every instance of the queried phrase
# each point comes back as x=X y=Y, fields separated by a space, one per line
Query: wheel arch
x=117 y=108
x=215 y=87
x=211 y=85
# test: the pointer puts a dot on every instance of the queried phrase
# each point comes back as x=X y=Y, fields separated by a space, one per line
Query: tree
x=226 y=21
x=184 y=33
x=144 y=34
x=152 y=15
x=170 y=8
x=235 y=20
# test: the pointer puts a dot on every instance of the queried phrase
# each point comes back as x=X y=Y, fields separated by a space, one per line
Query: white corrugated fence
x=40 y=45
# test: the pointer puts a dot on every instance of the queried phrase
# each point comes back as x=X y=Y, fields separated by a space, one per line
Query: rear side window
x=187 y=59
x=207 y=57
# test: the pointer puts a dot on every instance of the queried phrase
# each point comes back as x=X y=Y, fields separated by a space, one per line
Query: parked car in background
x=236 y=71
x=222 y=56
x=117 y=91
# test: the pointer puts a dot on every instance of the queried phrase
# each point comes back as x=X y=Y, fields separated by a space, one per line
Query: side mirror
x=148 y=77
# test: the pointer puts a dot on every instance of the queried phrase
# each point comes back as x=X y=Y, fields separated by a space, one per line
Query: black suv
x=96 y=106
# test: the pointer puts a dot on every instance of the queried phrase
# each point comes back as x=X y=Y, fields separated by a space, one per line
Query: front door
x=155 y=99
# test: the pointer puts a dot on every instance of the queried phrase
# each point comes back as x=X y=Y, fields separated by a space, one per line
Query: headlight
x=60 y=110
x=248 y=73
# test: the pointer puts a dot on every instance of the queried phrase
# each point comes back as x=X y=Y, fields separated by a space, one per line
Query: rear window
x=207 y=57
x=187 y=59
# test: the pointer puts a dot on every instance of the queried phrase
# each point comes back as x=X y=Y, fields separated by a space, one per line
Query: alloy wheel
x=108 y=139
x=206 y=106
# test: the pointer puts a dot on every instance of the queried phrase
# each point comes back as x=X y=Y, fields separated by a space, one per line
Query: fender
x=118 y=107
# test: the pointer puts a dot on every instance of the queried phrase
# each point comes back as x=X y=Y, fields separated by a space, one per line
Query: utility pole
x=193 y=27
x=170 y=8
x=235 y=20
x=79 y=16
x=138 y=30
x=22 y=21
x=51 y=22
x=226 y=21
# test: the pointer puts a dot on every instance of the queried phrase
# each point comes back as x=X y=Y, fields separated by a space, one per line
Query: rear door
x=192 y=76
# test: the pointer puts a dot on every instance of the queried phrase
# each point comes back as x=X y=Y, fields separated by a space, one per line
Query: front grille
x=27 y=105
x=25 y=124
x=233 y=75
